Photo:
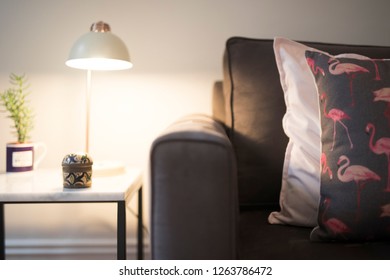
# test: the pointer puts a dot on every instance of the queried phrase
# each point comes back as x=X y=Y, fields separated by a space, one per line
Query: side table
x=45 y=186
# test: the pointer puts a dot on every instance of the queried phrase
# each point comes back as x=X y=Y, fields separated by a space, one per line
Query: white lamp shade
x=99 y=51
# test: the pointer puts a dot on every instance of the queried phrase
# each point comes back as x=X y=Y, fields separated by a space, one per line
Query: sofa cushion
x=262 y=241
x=255 y=108
x=354 y=97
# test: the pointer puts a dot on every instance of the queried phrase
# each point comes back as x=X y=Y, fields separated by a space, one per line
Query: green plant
x=14 y=100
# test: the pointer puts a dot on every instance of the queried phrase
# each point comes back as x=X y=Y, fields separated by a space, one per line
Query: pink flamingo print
x=381 y=146
x=357 y=173
x=336 y=116
x=325 y=166
x=336 y=226
x=385 y=211
x=350 y=69
x=383 y=94
x=377 y=76
x=315 y=69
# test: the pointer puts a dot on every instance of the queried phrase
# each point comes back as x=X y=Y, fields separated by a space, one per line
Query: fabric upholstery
x=255 y=108
x=194 y=192
x=218 y=102
x=261 y=241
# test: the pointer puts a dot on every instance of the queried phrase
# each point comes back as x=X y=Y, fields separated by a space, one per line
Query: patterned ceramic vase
x=77 y=170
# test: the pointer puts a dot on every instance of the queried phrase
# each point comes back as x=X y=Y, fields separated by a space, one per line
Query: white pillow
x=300 y=190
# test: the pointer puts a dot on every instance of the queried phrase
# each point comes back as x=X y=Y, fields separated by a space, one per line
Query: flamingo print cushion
x=354 y=104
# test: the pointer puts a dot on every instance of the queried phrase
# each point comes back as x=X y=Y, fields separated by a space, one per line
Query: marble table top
x=46 y=185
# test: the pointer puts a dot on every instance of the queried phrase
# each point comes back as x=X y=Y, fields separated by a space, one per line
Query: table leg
x=2 y=232
x=140 y=238
x=121 y=231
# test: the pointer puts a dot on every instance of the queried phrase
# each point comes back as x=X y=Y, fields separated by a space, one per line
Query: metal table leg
x=121 y=231
x=2 y=232
x=140 y=237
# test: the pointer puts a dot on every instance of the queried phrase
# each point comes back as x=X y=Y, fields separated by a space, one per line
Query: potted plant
x=20 y=154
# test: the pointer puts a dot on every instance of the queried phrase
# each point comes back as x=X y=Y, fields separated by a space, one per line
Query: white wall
x=176 y=47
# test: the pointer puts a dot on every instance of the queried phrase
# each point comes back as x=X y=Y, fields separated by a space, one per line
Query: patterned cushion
x=354 y=96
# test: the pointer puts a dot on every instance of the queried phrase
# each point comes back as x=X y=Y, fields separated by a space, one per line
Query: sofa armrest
x=218 y=102
x=194 y=192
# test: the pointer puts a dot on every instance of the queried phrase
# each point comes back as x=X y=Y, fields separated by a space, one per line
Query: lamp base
x=107 y=168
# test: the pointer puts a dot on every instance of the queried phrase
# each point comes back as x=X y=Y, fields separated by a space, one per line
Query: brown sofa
x=209 y=196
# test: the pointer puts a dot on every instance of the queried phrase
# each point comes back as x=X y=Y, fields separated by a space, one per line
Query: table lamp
x=98 y=49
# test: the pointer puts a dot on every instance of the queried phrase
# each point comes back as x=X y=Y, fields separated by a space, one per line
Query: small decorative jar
x=77 y=170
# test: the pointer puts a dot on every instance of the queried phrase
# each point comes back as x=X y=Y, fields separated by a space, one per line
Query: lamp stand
x=88 y=110
x=100 y=168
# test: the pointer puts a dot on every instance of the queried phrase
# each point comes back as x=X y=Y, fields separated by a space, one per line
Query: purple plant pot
x=21 y=158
